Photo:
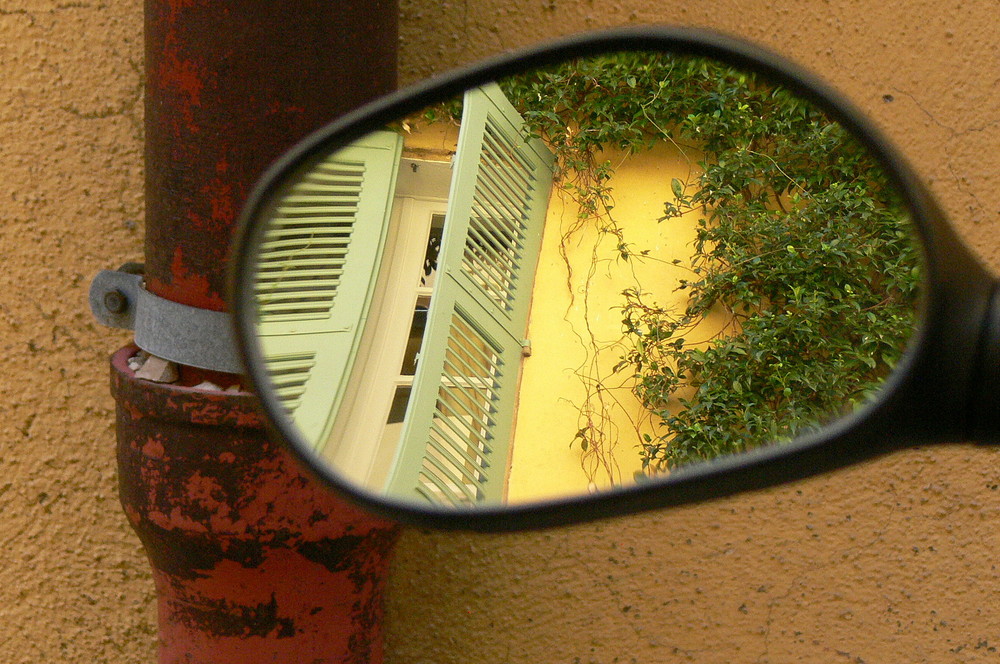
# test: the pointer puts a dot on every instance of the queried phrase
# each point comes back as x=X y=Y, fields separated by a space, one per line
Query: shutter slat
x=494 y=135
x=472 y=438
x=506 y=181
x=334 y=188
x=492 y=205
x=492 y=241
x=321 y=213
x=302 y=223
x=297 y=289
x=429 y=480
x=502 y=260
x=289 y=256
x=456 y=376
x=490 y=196
x=460 y=480
x=305 y=266
x=289 y=375
x=475 y=351
x=477 y=410
x=453 y=451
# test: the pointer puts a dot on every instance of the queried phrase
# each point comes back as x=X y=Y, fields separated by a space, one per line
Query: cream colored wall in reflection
x=435 y=141
x=575 y=330
x=892 y=561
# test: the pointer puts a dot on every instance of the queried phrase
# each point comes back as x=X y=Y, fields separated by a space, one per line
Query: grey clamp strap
x=187 y=335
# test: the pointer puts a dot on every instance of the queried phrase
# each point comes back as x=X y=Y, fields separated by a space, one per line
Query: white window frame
x=357 y=445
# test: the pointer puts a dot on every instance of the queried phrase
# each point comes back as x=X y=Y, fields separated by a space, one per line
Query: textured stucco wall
x=74 y=585
x=894 y=561
x=890 y=562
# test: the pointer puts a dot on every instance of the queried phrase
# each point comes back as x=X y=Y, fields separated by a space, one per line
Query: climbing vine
x=802 y=247
x=802 y=281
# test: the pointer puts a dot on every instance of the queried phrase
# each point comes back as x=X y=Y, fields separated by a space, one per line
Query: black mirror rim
x=957 y=293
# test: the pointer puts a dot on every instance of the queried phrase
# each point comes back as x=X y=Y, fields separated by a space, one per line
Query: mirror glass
x=578 y=278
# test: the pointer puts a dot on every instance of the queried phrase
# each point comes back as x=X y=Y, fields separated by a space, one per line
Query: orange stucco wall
x=74 y=584
x=889 y=562
x=893 y=561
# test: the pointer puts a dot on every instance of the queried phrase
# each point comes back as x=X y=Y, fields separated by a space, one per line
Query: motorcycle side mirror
x=622 y=271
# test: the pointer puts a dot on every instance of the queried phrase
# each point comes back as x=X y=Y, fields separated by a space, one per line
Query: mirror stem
x=986 y=408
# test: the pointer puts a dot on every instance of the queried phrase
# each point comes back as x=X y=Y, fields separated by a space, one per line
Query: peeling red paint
x=206 y=491
x=131 y=513
x=253 y=561
x=134 y=411
x=186 y=286
x=179 y=520
x=221 y=199
x=183 y=75
x=153 y=448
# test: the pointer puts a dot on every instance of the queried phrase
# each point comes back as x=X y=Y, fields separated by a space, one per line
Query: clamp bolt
x=115 y=301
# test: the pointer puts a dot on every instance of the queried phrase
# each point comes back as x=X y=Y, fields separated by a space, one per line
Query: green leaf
x=677 y=187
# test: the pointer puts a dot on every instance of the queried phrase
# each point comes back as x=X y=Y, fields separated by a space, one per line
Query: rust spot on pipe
x=224 y=618
x=254 y=562
x=186 y=285
x=230 y=87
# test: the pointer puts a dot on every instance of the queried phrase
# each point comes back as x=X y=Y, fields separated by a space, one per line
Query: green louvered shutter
x=318 y=264
x=460 y=417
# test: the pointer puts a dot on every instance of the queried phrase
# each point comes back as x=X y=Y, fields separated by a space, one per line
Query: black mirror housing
x=938 y=392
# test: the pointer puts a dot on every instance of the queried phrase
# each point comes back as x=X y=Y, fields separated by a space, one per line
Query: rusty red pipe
x=253 y=562
x=231 y=86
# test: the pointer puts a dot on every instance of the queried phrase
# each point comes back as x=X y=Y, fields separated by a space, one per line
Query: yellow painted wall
x=893 y=561
x=575 y=330
x=434 y=141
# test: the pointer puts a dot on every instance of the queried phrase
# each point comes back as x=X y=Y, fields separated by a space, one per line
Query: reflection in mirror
x=579 y=278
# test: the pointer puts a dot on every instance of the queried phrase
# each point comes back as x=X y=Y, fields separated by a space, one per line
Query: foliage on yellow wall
x=575 y=325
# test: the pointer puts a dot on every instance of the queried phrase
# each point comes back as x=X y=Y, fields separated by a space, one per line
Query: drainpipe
x=252 y=560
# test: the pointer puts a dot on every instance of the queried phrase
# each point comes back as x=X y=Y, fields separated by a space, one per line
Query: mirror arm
x=986 y=383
